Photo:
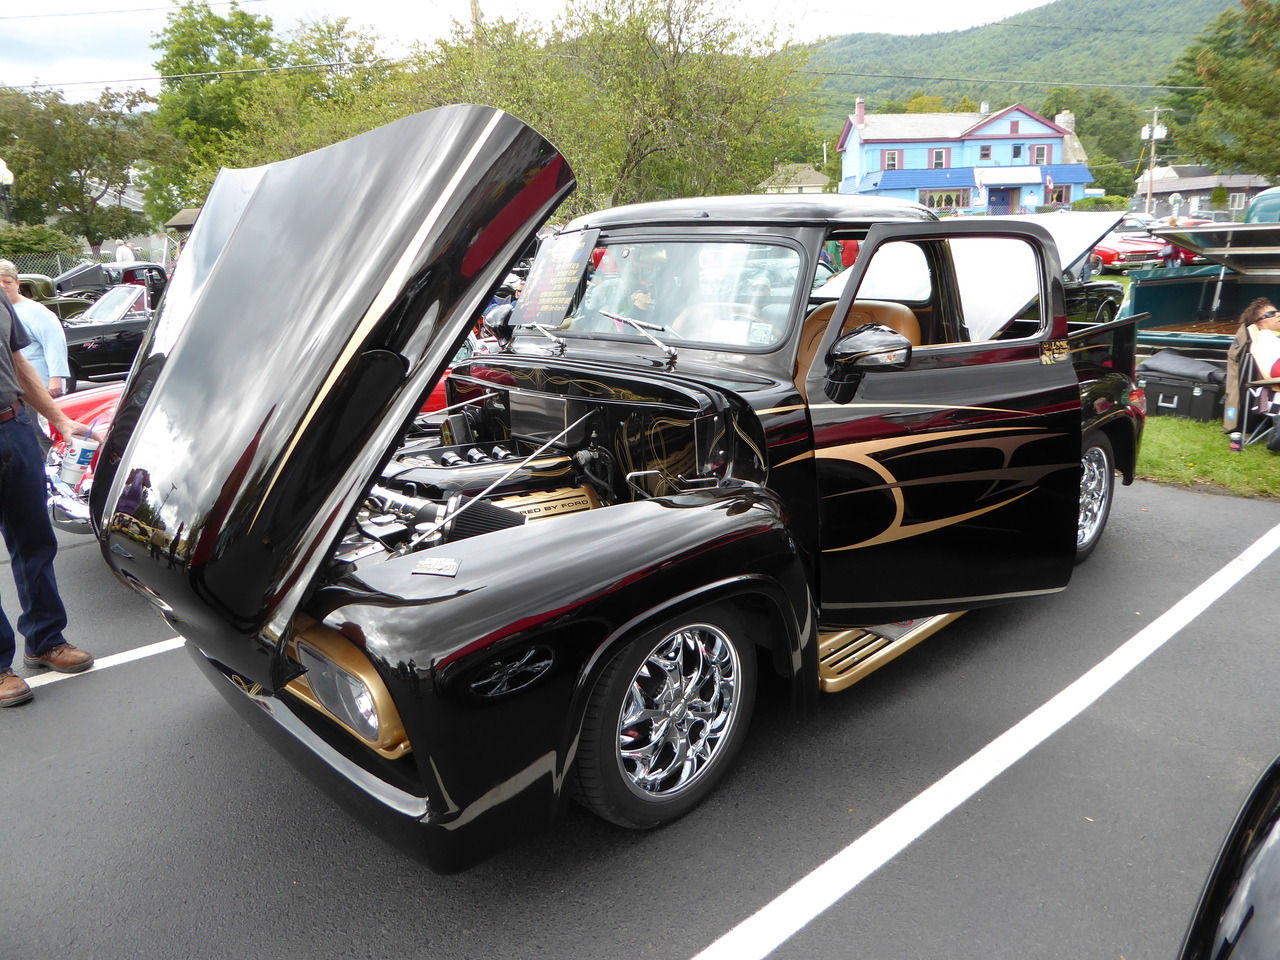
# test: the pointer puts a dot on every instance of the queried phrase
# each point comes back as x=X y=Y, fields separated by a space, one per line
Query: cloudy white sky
x=81 y=46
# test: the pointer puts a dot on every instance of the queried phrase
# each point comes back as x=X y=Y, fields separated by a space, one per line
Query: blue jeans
x=29 y=536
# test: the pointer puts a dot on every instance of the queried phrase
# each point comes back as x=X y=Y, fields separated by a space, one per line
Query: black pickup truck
x=681 y=466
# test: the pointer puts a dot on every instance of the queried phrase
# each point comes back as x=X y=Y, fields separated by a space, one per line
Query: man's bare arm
x=35 y=394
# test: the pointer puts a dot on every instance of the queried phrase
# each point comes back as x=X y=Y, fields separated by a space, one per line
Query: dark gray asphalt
x=142 y=819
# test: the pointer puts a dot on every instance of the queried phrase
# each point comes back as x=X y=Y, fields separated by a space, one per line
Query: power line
x=99 y=13
x=218 y=73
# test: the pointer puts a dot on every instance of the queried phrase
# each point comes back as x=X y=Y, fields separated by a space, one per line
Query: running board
x=846 y=656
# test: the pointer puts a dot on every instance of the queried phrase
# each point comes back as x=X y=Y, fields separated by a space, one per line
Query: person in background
x=123 y=253
x=28 y=534
x=1260 y=329
x=48 y=348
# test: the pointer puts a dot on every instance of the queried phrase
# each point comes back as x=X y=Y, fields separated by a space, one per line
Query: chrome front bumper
x=67 y=510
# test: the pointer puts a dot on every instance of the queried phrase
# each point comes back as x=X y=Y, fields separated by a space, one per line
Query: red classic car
x=1125 y=251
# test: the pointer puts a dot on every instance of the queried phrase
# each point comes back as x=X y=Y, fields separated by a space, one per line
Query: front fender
x=491 y=668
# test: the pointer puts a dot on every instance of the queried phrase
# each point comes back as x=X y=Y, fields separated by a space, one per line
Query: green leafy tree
x=71 y=159
x=647 y=98
x=921 y=103
x=1116 y=178
x=340 y=88
x=1107 y=124
x=209 y=61
x=966 y=105
x=1234 y=124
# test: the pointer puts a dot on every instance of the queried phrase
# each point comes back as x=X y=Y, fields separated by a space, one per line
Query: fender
x=530 y=606
x=1238 y=910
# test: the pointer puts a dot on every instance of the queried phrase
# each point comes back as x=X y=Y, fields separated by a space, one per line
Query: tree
x=647 y=98
x=70 y=159
x=921 y=103
x=339 y=89
x=1115 y=177
x=1107 y=124
x=209 y=62
x=1234 y=124
x=966 y=105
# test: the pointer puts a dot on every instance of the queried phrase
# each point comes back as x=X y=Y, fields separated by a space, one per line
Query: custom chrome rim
x=1095 y=486
x=678 y=712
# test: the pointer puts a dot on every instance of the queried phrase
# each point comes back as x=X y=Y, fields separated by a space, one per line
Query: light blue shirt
x=48 y=349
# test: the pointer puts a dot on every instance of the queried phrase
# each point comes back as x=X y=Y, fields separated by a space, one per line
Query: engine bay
x=517 y=446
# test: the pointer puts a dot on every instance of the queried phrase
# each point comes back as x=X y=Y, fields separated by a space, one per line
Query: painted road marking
x=102 y=663
x=777 y=921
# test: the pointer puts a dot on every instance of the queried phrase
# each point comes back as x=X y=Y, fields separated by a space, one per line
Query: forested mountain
x=1061 y=44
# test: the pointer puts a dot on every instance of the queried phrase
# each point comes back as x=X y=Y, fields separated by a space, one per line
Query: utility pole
x=1151 y=134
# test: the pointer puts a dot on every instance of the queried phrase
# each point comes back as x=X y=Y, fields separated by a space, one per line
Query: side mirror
x=498 y=324
x=870 y=347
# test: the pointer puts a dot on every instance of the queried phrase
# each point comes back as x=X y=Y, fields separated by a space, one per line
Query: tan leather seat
x=895 y=316
x=887 y=313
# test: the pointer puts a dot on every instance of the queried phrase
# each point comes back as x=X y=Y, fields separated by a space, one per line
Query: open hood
x=1075 y=234
x=1252 y=249
x=316 y=301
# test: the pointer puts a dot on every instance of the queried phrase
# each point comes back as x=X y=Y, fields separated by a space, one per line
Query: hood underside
x=316 y=301
x=1251 y=249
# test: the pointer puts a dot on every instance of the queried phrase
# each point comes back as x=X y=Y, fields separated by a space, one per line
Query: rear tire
x=1097 y=489
x=666 y=719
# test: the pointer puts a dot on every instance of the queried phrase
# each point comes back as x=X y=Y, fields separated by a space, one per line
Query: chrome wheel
x=666 y=718
x=682 y=703
x=1097 y=485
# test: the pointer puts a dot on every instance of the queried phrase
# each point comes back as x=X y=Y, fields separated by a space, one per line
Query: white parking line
x=760 y=934
x=102 y=663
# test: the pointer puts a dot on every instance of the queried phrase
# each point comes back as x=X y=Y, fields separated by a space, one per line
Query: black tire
x=1097 y=489
x=1106 y=313
x=637 y=769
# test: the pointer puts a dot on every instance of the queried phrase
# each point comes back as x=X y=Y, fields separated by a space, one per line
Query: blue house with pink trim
x=1007 y=162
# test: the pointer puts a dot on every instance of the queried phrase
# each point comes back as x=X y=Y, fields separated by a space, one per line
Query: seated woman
x=1261 y=322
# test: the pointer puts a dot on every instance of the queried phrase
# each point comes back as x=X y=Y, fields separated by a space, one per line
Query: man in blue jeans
x=27 y=531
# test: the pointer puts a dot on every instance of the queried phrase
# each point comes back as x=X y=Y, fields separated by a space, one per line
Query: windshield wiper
x=643 y=327
x=546 y=332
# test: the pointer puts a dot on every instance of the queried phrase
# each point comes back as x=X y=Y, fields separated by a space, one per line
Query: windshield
x=721 y=293
x=115 y=303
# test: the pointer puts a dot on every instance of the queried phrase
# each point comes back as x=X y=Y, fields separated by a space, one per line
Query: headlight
x=341 y=682
x=342 y=694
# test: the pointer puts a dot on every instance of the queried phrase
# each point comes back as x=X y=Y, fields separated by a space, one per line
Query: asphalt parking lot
x=143 y=819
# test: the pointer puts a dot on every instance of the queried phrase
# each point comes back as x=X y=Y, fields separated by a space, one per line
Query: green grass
x=1195 y=454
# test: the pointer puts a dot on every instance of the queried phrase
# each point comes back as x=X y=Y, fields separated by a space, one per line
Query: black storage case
x=1175 y=397
x=1182 y=386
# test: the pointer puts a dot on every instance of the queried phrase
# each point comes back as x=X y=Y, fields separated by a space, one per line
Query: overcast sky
x=81 y=46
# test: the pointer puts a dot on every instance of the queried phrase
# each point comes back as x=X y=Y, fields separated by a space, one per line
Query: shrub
x=17 y=241
x=1108 y=202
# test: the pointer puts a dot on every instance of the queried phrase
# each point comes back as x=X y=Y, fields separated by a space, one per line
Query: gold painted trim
x=847 y=656
x=910 y=406
x=393 y=740
x=540 y=506
x=899 y=532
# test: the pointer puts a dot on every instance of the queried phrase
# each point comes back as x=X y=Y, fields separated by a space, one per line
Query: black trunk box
x=1177 y=397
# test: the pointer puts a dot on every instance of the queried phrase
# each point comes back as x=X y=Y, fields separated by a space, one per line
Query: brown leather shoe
x=13 y=689
x=64 y=658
